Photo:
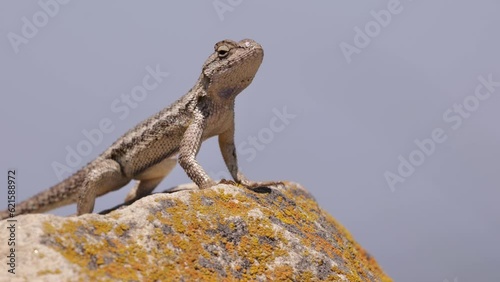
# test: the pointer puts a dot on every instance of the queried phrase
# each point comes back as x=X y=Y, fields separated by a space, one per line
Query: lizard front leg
x=228 y=150
x=189 y=147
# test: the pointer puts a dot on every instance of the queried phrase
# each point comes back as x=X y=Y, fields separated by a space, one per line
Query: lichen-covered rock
x=225 y=233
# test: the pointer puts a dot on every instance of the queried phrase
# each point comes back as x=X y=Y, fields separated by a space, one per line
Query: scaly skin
x=149 y=151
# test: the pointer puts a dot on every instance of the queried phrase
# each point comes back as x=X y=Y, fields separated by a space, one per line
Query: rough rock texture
x=225 y=233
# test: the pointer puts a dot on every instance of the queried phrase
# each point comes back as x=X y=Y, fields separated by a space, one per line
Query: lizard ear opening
x=222 y=51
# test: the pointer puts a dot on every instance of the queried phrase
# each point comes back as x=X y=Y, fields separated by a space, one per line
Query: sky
x=386 y=111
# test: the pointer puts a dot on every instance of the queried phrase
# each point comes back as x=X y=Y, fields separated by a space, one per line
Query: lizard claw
x=228 y=182
x=253 y=185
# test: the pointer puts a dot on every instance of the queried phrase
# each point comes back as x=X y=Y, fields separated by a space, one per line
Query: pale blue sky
x=360 y=83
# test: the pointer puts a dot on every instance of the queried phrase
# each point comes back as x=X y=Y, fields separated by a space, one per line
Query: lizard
x=150 y=150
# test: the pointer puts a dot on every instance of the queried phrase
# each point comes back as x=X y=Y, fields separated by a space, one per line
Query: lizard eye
x=223 y=51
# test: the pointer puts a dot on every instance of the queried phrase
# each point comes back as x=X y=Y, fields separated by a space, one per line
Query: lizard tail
x=61 y=194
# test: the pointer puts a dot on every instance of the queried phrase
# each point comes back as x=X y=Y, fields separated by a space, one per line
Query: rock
x=223 y=233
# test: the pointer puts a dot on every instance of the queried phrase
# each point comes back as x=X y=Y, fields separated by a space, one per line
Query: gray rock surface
x=223 y=233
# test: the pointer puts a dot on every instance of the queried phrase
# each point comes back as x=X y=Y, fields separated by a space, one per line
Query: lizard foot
x=257 y=186
x=182 y=187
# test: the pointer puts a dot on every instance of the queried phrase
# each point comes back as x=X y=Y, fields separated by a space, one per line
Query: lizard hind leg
x=104 y=176
x=150 y=178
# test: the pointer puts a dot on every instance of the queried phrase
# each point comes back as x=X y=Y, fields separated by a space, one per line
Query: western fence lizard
x=148 y=152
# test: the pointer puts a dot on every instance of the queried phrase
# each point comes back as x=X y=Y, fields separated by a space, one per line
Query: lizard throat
x=229 y=92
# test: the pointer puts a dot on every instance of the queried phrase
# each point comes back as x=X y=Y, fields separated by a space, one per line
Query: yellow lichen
x=49 y=271
x=188 y=231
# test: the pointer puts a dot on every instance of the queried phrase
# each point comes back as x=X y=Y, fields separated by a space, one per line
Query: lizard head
x=232 y=67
